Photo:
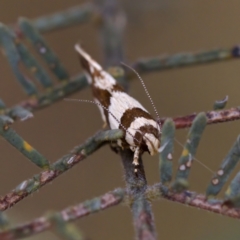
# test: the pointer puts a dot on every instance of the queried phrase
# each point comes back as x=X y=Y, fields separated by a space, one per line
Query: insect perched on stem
x=121 y=111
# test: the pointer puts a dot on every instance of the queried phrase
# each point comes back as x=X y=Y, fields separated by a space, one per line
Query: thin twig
x=69 y=17
x=111 y=30
x=57 y=93
x=213 y=117
x=69 y=214
x=164 y=62
x=62 y=229
x=136 y=184
x=193 y=199
x=78 y=154
x=155 y=192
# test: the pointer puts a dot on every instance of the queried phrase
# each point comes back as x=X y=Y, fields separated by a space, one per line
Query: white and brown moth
x=121 y=111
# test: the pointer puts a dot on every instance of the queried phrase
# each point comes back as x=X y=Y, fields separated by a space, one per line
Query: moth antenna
x=158 y=118
x=99 y=104
x=198 y=161
x=145 y=89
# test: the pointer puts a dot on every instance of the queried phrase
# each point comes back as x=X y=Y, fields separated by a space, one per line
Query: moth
x=121 y=111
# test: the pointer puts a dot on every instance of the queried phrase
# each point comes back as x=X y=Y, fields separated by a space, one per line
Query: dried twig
x=213 y=117
x=185 y=59
x=56 y=21
x=193 y=199
x=78 y=154
x=136 y=184
x=69 y=214
x=142 y=220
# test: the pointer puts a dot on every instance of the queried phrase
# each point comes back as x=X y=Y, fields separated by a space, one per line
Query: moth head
x=152 y=142
x=147 y=138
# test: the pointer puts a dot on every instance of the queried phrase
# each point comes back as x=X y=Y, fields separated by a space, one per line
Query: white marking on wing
x=101 y=110
x=136 y=125
x=87 y=57
x=105 y=82
x=119 y=103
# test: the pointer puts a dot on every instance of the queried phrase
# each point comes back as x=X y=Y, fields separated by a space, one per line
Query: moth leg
x=136 y=157
x=104 y=125
x=102 y=114
x=114 y=146
x=119 y=142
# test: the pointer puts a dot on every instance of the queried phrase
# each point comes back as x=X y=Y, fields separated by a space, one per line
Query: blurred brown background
x=154 y=27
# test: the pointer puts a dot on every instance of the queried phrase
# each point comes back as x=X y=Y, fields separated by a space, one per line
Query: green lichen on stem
x=4 y=221
x=22 y=146
x=72 y=16
x=117 y=196
x=33 y=66
x=43 y=49
x=226 y=168
x=112 y=22
x=69 y=214
x=189 y=151
x=62 y=228
x=165 y=156
x=77 y=83
x=78 y=154
x=220 y=104
x=18 y=112
x=8 y=44
x=183 y=60
x=232 y=195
